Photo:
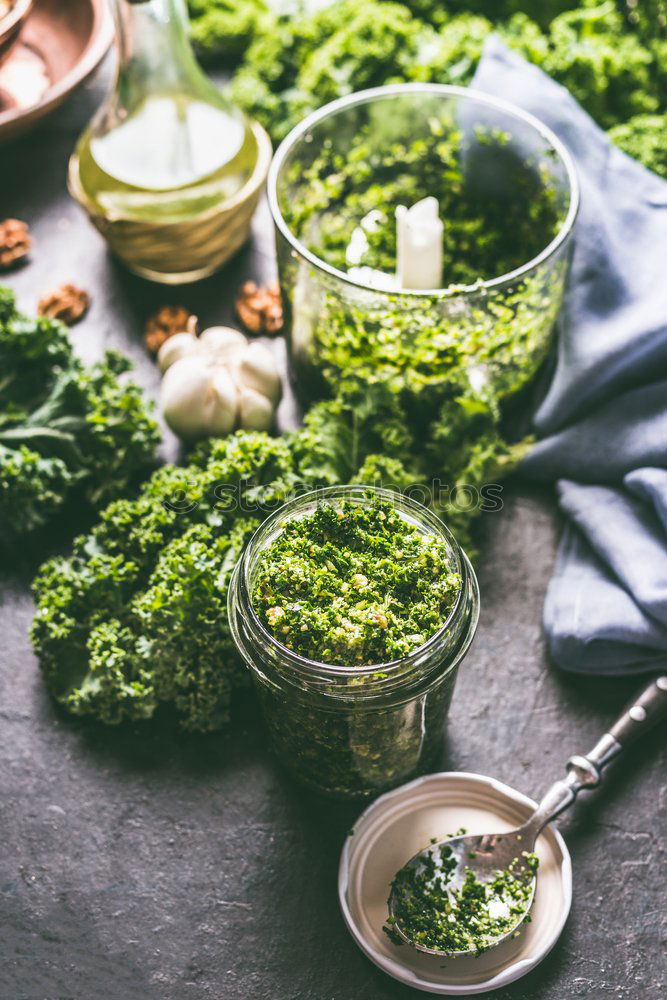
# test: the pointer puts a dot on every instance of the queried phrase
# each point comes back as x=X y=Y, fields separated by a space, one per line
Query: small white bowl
x=402 y=822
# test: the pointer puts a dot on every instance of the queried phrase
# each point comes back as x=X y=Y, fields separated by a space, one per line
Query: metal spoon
x=489 y=853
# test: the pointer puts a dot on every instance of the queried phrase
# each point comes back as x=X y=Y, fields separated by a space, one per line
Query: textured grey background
x=140 y=864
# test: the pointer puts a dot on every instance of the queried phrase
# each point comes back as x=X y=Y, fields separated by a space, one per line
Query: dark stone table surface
x=139 y=864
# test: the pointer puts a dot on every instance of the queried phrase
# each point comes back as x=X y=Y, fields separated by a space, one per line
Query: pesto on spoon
x=466 y=894
x=440 y=904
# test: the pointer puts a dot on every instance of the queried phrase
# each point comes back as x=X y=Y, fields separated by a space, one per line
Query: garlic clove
x=183 y=396
x=222 y=344
x=256 y=369
x=221 y=403
x=175 y=347
x=255 y=410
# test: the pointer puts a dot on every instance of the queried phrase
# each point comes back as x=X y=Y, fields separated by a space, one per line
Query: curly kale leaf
x=169 y=644
x=222 y=29
x=106 y=570
x=461 y=422
x=63 y=428
x=644 y=137
x=471 y=457
x=340 y=434
x=648 y=18
x=73 y=597
x=187 y=597
x=541 y=11
x=299 y=62
x=367 y=49
x=385 y=472
x=587 y=47
x=137 y=616
x=32 y=488
x=137 y=530
x=120 y=437
x=523 y=34
x=30 y=351
x=117 y=684
x=267 y=85
x=608 y=70
x=247 y=474
x=609 y=53
x=450 y=54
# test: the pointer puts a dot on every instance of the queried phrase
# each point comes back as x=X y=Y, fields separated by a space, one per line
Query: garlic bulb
x=177 y=346
x=255 y=410
x=223 y=343
x=256 y=368
x=216 y=382
x=197 y=400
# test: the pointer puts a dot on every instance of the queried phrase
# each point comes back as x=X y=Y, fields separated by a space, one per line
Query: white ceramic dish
x=403 y=821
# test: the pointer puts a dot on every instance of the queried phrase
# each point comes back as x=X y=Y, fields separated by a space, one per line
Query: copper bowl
x=59 y=46
x=11 y=24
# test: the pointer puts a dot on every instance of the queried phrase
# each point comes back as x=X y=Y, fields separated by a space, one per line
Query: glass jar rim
x=391 y=667
x=435 y=89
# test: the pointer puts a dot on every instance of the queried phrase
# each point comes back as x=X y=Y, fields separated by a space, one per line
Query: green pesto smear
x=436 y=916
x=488 y=231
x=354 y=584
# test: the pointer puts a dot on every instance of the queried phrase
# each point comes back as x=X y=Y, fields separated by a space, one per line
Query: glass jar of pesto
x=354 y=670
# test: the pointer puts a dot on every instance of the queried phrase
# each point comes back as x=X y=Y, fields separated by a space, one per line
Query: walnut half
x=165 y=323
x=260 y=309
x=15 y=242
x=67 y=303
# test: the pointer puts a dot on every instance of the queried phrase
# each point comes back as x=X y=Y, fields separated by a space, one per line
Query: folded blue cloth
x=604 y=417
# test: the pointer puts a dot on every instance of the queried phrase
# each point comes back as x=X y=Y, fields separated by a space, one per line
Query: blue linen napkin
x=604 y=417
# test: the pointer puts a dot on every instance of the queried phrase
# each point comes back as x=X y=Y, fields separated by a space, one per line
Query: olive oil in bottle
x=163 y=165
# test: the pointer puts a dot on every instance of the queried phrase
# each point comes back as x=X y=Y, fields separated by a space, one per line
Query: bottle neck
x=154 y=51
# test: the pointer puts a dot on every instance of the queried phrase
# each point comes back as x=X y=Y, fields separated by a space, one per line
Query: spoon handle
x=585 y=772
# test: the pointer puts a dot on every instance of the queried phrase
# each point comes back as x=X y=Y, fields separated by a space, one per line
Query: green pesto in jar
x=436 y=916
x=354 y=585
x=355 y=702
